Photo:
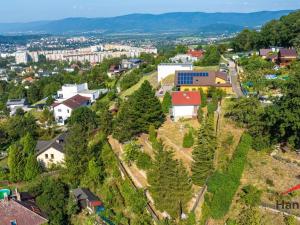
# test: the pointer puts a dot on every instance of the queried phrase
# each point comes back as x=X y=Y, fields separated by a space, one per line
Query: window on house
x=59 y=110
x=52 y=156
x=46 y=156
x=68 y=110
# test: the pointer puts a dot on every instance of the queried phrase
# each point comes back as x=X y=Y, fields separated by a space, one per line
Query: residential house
x=166 y=69
x=14 y=104
x=87 y=200
x=70 y=90
x=63 y=110
x=185 y=104
x=128 y=64
x=20 y=209
x=196 y=53
x=51 y=152
x=264 y=52
x=196 y=80
x=286 y=56
x=183 y=58
x=115 y=70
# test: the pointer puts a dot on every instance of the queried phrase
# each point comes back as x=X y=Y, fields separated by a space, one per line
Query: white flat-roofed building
x=166 y=69
x=69 y=90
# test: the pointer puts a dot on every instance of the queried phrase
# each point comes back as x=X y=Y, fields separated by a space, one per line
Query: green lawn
x=152 y=78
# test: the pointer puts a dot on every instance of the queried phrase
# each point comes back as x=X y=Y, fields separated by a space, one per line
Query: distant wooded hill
x=284 y=32
x=177 y=23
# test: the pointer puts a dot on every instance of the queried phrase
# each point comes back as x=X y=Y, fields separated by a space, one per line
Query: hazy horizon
x=33 y=10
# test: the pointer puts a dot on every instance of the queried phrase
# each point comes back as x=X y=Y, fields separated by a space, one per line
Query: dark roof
x=25 y=213
x=16 y=102
x=288 y=52
x=74 y=102
x=186 y=98
x=264 y=51
x=200 y=78
x=84 y=193
x=135 y=60
x=57 y=143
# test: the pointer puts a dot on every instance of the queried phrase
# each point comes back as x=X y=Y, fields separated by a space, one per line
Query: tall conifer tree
x=203 y=152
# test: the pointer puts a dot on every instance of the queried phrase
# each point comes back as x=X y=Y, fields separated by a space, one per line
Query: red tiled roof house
x=185 y=104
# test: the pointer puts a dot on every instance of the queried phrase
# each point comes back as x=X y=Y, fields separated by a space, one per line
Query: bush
x=269 y=182
x=188 y=140
x=290 y=220
x=131 y=152
x=251 y=195
x=144 y=161
x=223 y=185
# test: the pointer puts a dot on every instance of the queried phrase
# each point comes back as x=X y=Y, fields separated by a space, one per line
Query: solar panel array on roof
x=187 y=77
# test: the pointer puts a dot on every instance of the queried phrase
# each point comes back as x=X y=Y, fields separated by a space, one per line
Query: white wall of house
x=61 y=113
x=70 y=90
x=184 y=111
x=51 y=156
x=164 y=70
x=93 y=95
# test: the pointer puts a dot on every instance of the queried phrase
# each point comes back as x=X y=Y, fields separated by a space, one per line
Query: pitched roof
x=196 y=53
x=25 y=213
x=74 y=102
x=288 y=52
x=56 y=143
x=264 y=51
x=186 y=98
x=84 y=193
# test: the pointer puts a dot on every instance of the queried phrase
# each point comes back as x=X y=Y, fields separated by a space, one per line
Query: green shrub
x=144 y=161
x=269 y=182
x=251 y=195
x=188 y=140
x=290 y=220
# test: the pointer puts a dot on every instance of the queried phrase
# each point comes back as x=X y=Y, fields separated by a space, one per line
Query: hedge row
x=222 y=186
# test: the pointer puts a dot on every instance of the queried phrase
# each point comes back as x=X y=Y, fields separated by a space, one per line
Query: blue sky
x=30 y=10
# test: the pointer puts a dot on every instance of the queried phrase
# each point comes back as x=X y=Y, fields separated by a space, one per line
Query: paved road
x=234 y=78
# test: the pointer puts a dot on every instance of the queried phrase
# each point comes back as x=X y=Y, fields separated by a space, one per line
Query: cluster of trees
x=283 y=32
x=22 y=162
x=276 y=123
x=211 y=58
x=53 y=196
x=170 y=185
x=137 y=113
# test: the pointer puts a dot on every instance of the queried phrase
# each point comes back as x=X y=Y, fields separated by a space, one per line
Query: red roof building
x=185 y=104
x=196 y=53
x=186 y=98
x=22 y=213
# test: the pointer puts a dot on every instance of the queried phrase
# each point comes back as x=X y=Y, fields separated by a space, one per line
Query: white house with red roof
x=63 y=110
x=185 y=104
